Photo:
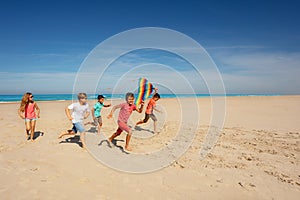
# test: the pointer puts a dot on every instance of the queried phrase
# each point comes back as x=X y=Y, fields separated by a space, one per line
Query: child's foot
x=128 y=149
x=110 y=143
x=83 y=145
x=60 y=136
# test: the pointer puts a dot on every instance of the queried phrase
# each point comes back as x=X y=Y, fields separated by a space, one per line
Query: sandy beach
x=257 y=155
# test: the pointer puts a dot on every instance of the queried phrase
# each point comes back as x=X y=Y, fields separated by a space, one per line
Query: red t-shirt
x=125 y=111
x=30 y=111
x=150 y=106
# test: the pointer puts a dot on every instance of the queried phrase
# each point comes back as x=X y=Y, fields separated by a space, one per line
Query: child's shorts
x=98 y=120
x=123 y=127
x=147 y=116
x=30 y=119
x=78 y=127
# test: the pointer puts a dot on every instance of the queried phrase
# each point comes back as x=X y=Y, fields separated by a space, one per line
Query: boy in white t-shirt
x=80 y=111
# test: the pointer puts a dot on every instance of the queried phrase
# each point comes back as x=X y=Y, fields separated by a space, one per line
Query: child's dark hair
x=156 y=95
x=129 y=94
x=100 y=97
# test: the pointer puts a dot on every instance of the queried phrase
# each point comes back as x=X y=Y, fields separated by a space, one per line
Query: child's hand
x=70 y=118
x=38 y=116
x=22 y=116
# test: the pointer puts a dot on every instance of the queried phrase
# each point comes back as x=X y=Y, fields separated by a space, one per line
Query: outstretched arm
x=155 y=91
x=157 y=110
x=107 y=105
x=140 y=109
x=113 y=110
x=68 y=113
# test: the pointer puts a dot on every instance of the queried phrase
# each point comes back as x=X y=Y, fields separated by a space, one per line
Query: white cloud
x=18 y=83
x=261 y=72
x=242 y=72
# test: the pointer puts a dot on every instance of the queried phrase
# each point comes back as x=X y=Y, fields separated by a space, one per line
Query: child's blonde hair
x=25 y=101
x=81 y=96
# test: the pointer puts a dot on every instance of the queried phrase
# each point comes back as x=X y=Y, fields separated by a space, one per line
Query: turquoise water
x=62 y=97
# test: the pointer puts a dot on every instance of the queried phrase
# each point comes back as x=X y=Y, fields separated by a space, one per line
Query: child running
x=149 y=111
x=29 y=111
x=96 y=113
x=124 y=114
x=80 y=111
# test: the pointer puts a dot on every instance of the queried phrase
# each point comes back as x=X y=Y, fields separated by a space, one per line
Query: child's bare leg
x=140 y=122
x=32 y=125
x=68 y=132
x=89 y=123
x=116 y=134
x=113 y=136
x=155 y=126
x=82 y=139
x=99 y=128
x=128 y=137
x=27 y=125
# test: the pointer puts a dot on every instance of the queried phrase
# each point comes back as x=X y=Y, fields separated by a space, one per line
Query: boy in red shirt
x=149 y=111
x=125 y=111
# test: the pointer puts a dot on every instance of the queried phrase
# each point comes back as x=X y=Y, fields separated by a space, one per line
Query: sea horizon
x=65 y=97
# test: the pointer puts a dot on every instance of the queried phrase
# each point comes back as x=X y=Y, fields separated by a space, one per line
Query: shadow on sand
x=75 y=140
x=114 y=142
x=138 y=128
x=36 y=135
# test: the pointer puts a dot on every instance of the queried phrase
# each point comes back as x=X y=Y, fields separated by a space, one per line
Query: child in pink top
x=29 y=111
x=124 y=114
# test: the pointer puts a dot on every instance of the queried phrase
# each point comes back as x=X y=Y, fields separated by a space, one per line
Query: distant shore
x=69 y=97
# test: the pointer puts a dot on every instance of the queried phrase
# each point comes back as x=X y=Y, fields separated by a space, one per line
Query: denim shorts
x=30 y=119
x=78 y=127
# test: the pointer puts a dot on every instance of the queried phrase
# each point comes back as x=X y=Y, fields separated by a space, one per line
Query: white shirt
x=78 y=111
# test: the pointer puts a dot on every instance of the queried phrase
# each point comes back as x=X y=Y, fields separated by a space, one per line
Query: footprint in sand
x=84 y=180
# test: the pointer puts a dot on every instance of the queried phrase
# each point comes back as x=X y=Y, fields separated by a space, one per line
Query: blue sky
x=255 y=44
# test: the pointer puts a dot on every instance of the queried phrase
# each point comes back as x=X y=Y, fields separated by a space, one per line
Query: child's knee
x=129 y=132
x=118 y=133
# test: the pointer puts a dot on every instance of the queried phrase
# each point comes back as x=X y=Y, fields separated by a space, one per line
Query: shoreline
x=167 y=98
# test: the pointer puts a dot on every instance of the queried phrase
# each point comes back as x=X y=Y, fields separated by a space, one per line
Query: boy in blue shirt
x=96 y=113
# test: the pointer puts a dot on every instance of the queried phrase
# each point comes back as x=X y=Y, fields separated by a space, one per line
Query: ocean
x=64 y=97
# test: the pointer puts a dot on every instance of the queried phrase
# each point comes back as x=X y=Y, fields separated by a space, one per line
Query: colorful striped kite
x=144 y=90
